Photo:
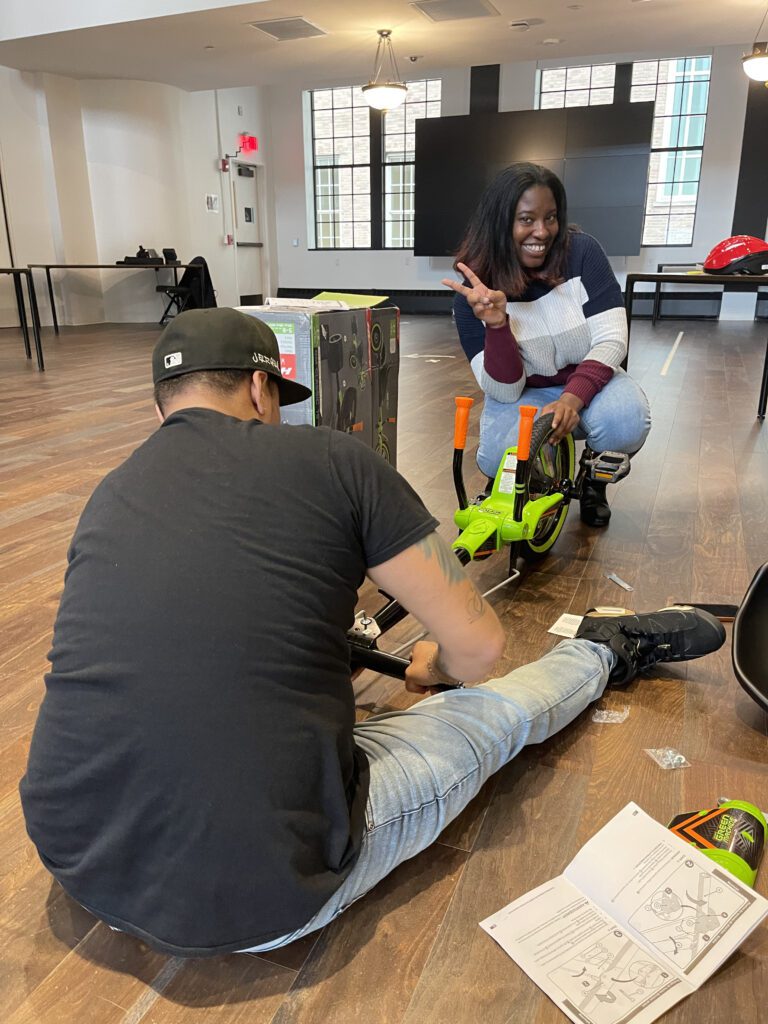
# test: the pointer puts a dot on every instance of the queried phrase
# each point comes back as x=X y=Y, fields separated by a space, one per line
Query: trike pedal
x=607 y=467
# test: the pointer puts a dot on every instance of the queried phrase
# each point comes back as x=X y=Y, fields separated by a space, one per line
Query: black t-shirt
x=193 y=777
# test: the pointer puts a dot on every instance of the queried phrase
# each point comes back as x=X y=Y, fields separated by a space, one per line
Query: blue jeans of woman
x=427 y=763
x=617 y=419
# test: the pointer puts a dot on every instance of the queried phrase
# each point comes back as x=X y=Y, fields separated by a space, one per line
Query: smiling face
x=535 y=227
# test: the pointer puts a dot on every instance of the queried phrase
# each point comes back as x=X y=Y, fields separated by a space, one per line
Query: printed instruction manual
x=637 y=921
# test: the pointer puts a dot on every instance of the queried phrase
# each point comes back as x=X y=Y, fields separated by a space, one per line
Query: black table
x=48 y=267
x=17 y=273
x=735 y=282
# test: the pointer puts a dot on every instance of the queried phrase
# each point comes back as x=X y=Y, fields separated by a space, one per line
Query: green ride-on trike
x=534 y=485
x=525 y=508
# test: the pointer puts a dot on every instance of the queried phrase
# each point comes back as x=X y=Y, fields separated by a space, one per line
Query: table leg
x=656 y=303
x=629 y=298
x=763 y=400
x=629 y=289
x=22 y=313
x=53 y=301
x=35 y=314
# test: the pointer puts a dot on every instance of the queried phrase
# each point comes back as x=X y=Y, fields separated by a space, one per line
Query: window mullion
x=377 y=180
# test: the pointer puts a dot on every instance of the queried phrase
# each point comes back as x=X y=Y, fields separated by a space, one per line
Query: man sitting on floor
x=196 y=778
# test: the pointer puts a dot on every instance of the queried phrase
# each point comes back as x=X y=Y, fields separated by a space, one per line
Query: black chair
x=750 y=639
x=194 y=290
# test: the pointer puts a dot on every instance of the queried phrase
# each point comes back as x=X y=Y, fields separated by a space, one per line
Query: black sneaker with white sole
x=639 y=642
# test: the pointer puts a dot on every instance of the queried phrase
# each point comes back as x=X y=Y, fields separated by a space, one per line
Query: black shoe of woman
x=594 y=504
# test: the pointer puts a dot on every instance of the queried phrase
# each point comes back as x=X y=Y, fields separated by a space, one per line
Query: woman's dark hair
x=488 y=247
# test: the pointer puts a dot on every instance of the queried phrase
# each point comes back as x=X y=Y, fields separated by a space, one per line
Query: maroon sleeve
x=501 y=359
x=587 y=379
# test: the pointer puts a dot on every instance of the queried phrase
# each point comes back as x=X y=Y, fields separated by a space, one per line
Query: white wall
x=247 y=110
x=19 y=18
x=517 y=86
x=153 y=155
x=133 y=144
x=93 y=169
x=71 y=214
x=26 y=180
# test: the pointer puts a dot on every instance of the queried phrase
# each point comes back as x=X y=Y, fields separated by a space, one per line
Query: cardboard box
x=343 y=362
x=350 y=359
x=384 y=334
x=293 y=331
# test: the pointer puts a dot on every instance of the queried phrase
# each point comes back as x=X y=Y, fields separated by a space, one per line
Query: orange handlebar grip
x=527 y=412
x=461 y=421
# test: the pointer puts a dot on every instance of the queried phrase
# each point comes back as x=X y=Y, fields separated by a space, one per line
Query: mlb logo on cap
x=172 y=359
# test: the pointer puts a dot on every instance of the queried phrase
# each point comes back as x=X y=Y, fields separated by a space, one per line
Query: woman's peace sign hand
x=487 y=305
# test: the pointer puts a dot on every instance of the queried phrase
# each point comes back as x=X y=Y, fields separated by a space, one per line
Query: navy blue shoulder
x=583 y=250
x=587 y=260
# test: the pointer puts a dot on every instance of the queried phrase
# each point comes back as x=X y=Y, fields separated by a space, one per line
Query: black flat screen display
x=600 y=154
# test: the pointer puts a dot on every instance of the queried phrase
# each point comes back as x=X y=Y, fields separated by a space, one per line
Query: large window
x=399 y=136
x=341 y=144
x=680 y=90
x=577 y=87
x=363 y=167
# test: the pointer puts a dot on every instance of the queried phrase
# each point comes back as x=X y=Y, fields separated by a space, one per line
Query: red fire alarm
x=248 y=143
x=224 y=165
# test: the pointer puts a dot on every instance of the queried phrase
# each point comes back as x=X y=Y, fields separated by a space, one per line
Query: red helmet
x=741 y=254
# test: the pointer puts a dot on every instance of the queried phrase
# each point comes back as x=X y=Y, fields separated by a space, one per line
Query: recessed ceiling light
x=551 y=42
x=519 y=26
x=209 y=47
x=575 y=7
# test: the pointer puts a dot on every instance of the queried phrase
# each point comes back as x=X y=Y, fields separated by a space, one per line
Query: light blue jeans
x=617 y=419
x=427 y=763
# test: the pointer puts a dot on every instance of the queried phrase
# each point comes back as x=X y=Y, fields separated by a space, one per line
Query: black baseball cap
x=221 y=339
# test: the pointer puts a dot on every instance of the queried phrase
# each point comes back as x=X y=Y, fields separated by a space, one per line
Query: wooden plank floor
x=688 y=523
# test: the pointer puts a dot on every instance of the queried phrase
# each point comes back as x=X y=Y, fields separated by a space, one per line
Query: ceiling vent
x=524 y=25
x=284 y=29
x=455 y=10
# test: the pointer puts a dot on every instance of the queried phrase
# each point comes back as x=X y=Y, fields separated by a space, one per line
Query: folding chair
x=194 y=291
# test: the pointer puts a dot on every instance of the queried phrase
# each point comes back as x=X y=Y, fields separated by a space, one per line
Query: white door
x=249 y=241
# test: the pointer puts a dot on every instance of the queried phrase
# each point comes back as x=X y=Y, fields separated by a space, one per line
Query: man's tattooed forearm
x=434 y=546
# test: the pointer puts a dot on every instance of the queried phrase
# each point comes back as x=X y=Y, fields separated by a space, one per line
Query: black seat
x=194 y=290
x=750 y=639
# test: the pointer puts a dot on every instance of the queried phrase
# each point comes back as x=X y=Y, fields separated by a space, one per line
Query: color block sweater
x=574 y=333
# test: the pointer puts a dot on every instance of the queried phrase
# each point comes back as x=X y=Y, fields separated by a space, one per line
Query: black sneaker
x=641 y=641
x=594 y=508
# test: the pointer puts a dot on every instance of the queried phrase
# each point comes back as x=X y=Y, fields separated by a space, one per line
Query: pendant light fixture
x=385 y=91
x=756 y=63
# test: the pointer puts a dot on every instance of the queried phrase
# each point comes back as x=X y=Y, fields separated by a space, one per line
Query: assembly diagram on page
x=685 y=916
x=610 y=978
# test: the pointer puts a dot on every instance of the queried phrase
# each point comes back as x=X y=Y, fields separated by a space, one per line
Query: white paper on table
x=638 y=920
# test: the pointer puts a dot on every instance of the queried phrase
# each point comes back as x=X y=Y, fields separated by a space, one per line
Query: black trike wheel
x=548 y=465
